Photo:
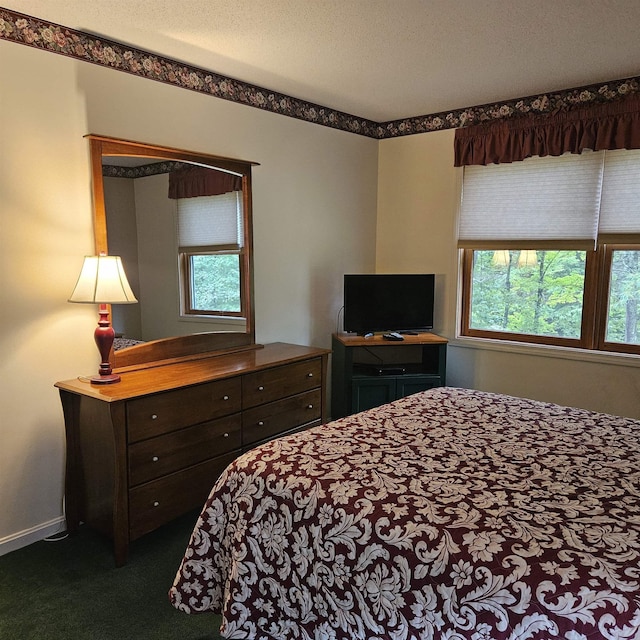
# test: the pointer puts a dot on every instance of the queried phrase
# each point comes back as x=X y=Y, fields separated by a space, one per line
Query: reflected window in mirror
x=211 y=254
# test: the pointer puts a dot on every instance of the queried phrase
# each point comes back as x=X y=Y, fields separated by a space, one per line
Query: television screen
x=388 y=302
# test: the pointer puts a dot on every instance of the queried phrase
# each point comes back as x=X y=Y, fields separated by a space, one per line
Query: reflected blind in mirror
x=211 y=222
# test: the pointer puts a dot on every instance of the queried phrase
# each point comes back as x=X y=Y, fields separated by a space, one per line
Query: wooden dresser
x=149 y=448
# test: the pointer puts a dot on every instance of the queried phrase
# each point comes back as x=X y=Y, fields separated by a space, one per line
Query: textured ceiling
x=377 y=59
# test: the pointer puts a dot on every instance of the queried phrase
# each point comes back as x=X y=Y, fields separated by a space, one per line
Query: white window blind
x=211 y=222
x=566 y=201
x=620 y=209
x=533 y=203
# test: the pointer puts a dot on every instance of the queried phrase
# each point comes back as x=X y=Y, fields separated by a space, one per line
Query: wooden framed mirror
x=137 y=215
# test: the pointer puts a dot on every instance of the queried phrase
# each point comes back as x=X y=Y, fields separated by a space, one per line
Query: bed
x=124 y=343
x=451 y=514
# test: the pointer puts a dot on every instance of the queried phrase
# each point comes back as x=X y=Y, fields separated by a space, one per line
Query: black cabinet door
x=371 y=392
x=413 y=384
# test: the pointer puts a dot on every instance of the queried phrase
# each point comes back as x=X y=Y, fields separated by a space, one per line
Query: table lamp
x=103 y=281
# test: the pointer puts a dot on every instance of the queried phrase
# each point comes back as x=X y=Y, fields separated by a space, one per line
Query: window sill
x=548 y=351
x=233 y=320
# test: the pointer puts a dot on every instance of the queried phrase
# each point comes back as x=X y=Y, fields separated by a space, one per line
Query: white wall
x=419 y=191
x=314 y=218
x=122 y=231
x=416 y=228
x=157 y=260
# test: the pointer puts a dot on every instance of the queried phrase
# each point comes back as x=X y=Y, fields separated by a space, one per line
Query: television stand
x=369 y=371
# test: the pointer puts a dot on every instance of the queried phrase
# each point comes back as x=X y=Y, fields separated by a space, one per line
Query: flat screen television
x=388 y=302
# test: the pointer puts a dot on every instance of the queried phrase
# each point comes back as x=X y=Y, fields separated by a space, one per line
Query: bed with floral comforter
x=448 y=515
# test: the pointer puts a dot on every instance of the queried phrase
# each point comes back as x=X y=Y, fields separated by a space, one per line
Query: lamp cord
x=340 y=310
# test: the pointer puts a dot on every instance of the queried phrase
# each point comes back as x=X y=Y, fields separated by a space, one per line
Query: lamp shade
x=501 y=257
x=528 y=258
x=102 y=281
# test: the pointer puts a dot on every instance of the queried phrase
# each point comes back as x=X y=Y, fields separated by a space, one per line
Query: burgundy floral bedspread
x=448 y=515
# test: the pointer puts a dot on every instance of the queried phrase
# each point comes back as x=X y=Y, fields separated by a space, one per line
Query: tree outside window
x=541 y=295
x=215 y=283
x=623 y=313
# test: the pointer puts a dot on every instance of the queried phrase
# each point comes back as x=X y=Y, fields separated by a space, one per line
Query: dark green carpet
x=71 y=590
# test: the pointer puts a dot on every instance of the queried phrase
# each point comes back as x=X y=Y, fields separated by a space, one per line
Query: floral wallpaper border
x=142 y=171
x=48 y=36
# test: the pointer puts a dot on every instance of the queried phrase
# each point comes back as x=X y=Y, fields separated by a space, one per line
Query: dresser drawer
x=164 y=412
x=297 y=429
x=156 y=457
x=271 y=419
x=154 y=503
x=280 y=382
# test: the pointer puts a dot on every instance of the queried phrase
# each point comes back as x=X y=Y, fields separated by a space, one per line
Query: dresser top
x=165 y=377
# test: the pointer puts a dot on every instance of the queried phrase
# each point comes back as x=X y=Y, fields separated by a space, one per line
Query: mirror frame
x=197 y=344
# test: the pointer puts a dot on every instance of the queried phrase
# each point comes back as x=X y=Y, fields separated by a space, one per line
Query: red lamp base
x=104 y=335
x=107 y=379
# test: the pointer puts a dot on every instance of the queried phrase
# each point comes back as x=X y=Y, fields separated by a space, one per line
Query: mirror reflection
x=181 y=247
x=181 y=223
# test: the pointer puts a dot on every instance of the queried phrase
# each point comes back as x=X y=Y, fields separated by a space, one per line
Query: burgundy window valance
x=613 y=125
x=192 y=182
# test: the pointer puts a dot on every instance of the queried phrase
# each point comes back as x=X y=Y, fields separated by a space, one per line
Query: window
x=528 y=291
x=213 y=283
x=210 y=237
x=551 y=251
x=622 y=326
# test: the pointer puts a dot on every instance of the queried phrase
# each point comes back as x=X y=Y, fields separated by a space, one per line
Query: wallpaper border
x=48 y=36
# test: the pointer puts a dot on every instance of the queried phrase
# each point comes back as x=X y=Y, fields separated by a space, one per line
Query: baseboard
x=29 y=536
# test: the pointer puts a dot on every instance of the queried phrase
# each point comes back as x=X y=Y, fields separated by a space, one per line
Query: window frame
x=185 y=283
x=604 y=291
x=594 y=309
x=233 y=244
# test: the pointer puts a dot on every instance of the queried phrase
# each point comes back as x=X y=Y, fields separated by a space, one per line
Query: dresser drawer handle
x=261 y=423
x=155 y=459
x=309 y=406
x=156 y=504
x=260 y=388
x=225 y=435
x=225 y=397
x=154 y=416
x=309 y=375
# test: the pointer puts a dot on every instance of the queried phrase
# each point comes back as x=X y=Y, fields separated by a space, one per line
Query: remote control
x=393 y=335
